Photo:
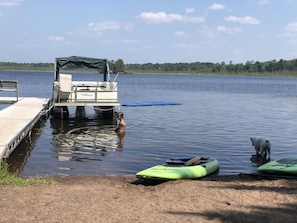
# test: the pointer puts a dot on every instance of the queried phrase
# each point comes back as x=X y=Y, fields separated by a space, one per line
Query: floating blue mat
x=149 y=103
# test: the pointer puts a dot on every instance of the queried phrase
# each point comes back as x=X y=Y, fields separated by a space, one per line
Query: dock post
x=80 y=111
x=61 y=112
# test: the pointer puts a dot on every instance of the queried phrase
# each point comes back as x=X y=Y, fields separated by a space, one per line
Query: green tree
x=119 y=66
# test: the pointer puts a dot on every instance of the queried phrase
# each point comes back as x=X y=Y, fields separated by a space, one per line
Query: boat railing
x=10 y=86
x=81 y=93
x=93 y=92
x=89 y=92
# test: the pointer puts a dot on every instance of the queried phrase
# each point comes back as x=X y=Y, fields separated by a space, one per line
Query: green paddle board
x=280 y=166
x=184 y=168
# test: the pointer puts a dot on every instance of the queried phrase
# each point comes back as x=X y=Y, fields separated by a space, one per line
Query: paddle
x=194 y=160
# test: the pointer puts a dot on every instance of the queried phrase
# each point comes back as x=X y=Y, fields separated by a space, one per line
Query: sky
x=148 y=31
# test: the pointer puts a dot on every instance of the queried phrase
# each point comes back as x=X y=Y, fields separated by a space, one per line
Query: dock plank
x=17 y=120
x=9 y=100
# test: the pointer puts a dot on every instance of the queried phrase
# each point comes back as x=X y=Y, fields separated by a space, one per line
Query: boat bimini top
x=74 y=62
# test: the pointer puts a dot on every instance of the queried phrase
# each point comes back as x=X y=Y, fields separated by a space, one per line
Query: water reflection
x=259 y=160
x=18 y=159
x=81 y=139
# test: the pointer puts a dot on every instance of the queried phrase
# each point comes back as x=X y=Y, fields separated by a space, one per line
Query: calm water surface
x=217 y=117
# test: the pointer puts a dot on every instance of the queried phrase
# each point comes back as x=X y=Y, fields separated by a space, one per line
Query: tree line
x=250 y=67
x=13 y=66
x=280 y=67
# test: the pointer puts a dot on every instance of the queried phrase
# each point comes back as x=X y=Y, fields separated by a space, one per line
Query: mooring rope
x=129 y=126
x=96 y=127
x=101 y=109
x=81 y=128
x=47 y=110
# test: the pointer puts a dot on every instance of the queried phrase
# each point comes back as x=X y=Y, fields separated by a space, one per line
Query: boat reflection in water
x=79 y=139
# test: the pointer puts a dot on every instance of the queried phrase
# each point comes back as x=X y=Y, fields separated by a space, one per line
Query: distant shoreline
x=278 y=74
x=280 y=68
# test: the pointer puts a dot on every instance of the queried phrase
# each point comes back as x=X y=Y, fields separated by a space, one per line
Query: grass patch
x=13 y=179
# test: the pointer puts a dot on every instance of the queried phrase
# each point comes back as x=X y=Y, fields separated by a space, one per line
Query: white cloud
x=10 y=2
x=264 y=2
x=186 y=45
x=216 y=6
x=93 y=30
x=56 y=38
x=291 y=32
x=291 y=27
x=189 y=10
x=179 y=33
x=243 y=20
x=163 y=17
x=224 y=29
x=102 y=26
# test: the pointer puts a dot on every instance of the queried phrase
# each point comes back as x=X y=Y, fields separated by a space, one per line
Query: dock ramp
x=17 y=120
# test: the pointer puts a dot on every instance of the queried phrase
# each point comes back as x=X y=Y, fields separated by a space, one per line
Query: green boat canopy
x=74 y=62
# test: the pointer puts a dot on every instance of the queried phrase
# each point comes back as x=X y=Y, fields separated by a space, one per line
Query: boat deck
x=17 y=120
x=99 y=104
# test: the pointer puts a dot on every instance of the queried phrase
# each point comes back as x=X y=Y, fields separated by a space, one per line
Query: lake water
x=216 y=118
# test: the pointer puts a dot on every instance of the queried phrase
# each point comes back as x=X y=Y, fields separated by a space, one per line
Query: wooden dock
x=17 y=120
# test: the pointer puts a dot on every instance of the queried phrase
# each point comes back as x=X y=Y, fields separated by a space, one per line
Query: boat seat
x=65 y=82
x=65 y=86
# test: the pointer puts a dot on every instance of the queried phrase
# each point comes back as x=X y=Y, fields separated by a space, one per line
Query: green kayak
x=183 y=168
x=281 y=166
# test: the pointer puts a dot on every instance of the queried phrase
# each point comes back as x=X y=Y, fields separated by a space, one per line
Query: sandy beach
x=127 y=199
